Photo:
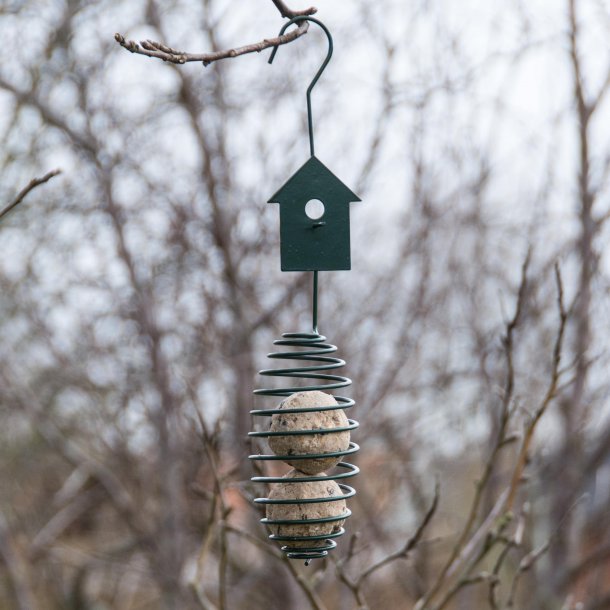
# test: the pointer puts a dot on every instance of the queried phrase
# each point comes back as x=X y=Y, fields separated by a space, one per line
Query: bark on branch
x=151 y=48
x=286 y=12
x=31 y=186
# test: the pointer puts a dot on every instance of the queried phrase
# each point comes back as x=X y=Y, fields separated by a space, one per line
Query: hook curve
x=316 y=78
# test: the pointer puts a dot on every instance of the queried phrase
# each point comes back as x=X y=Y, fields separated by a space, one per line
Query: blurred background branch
x=27 y=189
x=137 y=306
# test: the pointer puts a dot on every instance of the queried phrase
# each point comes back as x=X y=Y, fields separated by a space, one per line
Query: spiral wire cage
x=313 y=349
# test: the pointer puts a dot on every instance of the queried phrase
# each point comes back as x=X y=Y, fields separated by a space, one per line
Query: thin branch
x=64 y=518
x=312 y=596
x=452 y=562
x=599 y=604
x=514 y=542
x=151 y=48
x=263 y=545
x=549 y=396
x=355 y=585
x=23 y=193
x=74 y=454
x=411 y=543
x=85 y=142
x=526 y=564
x=506 y=501
x=289 y=13
x=508 y=339
x=17 y=571
x=480 y=533
x=225 y=509
x=598 y=557
x=204 y=551
x=468 y=581
x=584 y=108
x=603 y=91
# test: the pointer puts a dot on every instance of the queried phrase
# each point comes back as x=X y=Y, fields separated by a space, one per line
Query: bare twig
x=506 y=501
x=549 y=396
x=16 y=569
x=355 y=585
x=465 y=547
x=151 y=48
x=411 y=543
x=64 y=518
x=225 y=509
x=526 y=564
x=514 y=542
x=289 y=13
x=598 y=557
x=204 y=551
x=480 y=534
x=456 y=556
x=468 y=581
x=492 y=537
x=263 y=545
x=599 y=604
x=301 y=581
x=74 y=454
x=312 y=596
x=31 y=186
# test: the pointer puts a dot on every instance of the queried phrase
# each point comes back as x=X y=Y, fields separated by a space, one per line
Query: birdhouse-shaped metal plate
x=314 y=242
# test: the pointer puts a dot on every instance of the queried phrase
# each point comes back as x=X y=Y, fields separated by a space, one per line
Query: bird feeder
x=309 y=430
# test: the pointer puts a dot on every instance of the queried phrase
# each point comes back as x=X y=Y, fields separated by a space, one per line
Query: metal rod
x=314 y=82
x=318 y=74
x=315 y=301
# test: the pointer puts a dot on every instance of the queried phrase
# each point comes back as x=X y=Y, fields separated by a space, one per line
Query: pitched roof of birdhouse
x=314 y=181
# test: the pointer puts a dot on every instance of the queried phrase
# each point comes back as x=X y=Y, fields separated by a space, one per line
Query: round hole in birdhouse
x=314 y=209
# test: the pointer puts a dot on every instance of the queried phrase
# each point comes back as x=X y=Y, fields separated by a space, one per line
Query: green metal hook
x=318 y=74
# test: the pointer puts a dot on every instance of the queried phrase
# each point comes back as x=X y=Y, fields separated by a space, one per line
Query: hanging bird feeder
x=309 y=430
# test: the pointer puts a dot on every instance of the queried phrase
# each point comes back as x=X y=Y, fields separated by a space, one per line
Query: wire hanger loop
x=316 y=78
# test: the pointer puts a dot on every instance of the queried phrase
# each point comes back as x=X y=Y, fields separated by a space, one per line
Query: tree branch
x=599 y=604
x=528 y=561
x=17 y=571
x=598 y=557
x=31 y=186
x=550 y=395
x=455 y=557
x=289 y=13
x=150 y=48
x=355 y=585
x=411 y=543
x=312 y=596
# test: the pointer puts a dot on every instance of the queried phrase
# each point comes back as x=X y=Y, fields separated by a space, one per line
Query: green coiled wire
x=313 y=349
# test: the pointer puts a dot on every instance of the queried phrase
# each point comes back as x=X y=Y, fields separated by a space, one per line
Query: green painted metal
x=316 y=78
x=314 y=245
x=315 y=299
x=310 y=244
x=318 y=363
